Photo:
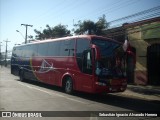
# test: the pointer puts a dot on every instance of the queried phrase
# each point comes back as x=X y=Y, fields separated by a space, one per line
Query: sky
x=39 y=13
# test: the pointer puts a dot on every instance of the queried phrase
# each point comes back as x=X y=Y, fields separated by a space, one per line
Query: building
x=144 y=36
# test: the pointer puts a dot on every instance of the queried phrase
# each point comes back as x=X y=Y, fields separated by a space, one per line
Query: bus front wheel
x=68 y=85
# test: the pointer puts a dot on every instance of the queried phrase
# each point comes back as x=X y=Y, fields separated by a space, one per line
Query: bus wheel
x=21 y=76
x=68 y=85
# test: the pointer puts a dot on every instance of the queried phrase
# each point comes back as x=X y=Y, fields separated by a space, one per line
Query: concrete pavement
x=136 y=91
x=34 y=96
x=142 y=92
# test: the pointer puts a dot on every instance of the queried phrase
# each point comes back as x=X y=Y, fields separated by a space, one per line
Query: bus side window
x=82 y=45
x=43 y=49
x=19 y=52
x=54 y=48
x=28 y=51
x=87 y=62
x=33 y=50
x=67 y=48
x=14 y=52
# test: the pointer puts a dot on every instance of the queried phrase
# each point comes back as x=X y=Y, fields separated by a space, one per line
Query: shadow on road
x=145 y=91
x=125 y=102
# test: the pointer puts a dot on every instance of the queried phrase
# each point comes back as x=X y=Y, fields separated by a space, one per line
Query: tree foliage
x=87 y=26
x=90 y=27
x=49 y=32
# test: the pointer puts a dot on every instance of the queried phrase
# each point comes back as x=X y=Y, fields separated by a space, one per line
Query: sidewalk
x=151 y=93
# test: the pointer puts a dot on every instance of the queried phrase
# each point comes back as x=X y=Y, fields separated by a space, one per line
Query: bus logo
x=6 y=114
x=45 y=66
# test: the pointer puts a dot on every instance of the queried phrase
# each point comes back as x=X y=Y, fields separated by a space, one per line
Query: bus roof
x=89 y=37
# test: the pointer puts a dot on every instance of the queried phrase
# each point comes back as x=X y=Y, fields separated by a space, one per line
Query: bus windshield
x=112 y=62
x=106 y=47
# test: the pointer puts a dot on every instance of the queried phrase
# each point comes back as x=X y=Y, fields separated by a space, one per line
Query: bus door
x=85 y=77
x=87 y=70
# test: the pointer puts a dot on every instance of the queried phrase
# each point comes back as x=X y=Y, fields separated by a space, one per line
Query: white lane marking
x=51 y=93
x=40 y=90
x=25 y=85
x=75 y=100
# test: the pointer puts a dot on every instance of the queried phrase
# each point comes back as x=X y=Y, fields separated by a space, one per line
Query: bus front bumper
x=113 y=86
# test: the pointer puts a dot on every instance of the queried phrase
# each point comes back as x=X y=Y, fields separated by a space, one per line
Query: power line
x=134 y=30
x=153 y=12
x=137 y=14
x=98 y=10
x=54 y=13
x=157 y=14
x=104 y=9
x=112 y=9
x=142 y=13
x=47 y=12
x=69 y=9
x=125 y=4
x=76 y=4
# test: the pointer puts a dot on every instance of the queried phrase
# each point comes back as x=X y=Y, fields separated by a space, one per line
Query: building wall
x=141 y=37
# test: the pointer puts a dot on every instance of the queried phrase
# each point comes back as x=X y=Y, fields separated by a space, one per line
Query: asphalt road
x=33 y=96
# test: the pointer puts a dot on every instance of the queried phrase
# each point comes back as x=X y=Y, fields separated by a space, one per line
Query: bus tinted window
x=54 y=48
x=43 y=49
x=106 y=47
x=27 y=51
x=19 y=51
x=14 y=52
x=67 y=48
x=34 y=49
x=82 y=45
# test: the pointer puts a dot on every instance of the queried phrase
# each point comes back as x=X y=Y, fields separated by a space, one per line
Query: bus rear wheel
x=68 y=85
x=21 y=76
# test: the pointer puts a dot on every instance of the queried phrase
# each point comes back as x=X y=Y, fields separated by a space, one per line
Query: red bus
x=85 y=63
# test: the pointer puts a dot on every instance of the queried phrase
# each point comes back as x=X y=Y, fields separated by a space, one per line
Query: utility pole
x=26 y=31
x=0 y=55
x=6 y=52
x=0 y=47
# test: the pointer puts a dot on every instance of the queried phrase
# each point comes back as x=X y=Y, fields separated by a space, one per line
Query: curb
x=144 y=89
x=148 y=93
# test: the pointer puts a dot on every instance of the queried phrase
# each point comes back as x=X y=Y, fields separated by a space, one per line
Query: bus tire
x=21 y=76
x=68 y=86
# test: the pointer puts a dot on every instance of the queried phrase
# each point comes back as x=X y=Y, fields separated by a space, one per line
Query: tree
x=30 y=37
x=49 y=32
x=90 y=27
x=60 y=31
x=86 y=26
x=101 y=25
x=39 y=34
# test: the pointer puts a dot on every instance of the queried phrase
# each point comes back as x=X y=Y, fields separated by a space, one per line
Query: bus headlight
x=100 y=83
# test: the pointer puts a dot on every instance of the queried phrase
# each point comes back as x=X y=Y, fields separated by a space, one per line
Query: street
x=33 y=96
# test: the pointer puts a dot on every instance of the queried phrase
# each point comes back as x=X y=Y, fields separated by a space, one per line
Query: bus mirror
x=97 y=52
